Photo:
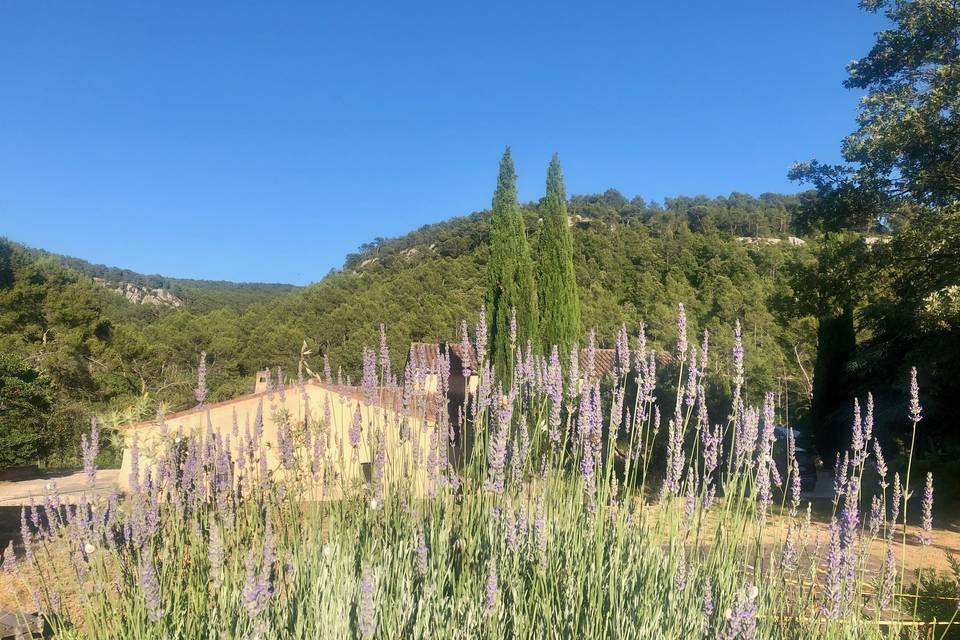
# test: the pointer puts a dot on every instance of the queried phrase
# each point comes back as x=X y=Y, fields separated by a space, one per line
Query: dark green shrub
x=25 y=401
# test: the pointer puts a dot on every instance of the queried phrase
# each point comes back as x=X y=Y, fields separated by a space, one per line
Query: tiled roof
x=425 y=356
x=603 y=360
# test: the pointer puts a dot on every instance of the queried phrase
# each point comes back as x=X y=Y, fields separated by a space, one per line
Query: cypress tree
x=558 y=301
x=510 y=284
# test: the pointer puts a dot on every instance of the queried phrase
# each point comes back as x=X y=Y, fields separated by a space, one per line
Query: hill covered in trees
x=197 y=295
x=724 y=258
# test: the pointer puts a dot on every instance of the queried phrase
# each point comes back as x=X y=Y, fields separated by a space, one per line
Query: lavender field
x=623 y=510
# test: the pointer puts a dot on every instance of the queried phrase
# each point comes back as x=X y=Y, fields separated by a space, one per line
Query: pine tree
x=558 y=301
x=510 y=285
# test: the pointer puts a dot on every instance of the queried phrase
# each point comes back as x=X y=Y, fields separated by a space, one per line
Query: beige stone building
x=302 y=409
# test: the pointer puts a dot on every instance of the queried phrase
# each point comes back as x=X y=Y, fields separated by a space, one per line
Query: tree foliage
x=633 y=261
x=25 y=402
x=900 y=183
x=511 y=291
x=559 y=302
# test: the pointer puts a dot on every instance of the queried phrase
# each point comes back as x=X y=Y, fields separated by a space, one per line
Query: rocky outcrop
x=142 y=295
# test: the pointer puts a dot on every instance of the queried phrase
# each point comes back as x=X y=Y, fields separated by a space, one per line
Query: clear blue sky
x=264 y=141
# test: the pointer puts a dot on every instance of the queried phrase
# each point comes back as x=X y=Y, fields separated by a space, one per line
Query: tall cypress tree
x=511 y=284
x=558 y=301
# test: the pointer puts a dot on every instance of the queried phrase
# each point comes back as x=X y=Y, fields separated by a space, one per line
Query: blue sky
x=264 y=141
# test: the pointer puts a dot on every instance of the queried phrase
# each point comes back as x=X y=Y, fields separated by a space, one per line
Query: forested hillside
x=724 y=258
x=196 y=295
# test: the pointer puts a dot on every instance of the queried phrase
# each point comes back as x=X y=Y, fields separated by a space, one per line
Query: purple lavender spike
x=90 y=447
x=368 y=381
x=681 y=333
x=741 y=618
x=925 y=535
x=384 y=353
x=327 y=376
x=622 y=353
x=151 y=589
x=481 y=336
x=368 y=604
x=916 y=412
x=492 y=588
x=200 y=393
x=421 y=552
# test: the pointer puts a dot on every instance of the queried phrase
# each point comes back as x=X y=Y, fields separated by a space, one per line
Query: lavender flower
x=368 y=605
x=151 y=589
x=680 y=576
x=681 y=333
x=692 y=377
x=741 y=618
x=788 y=558
x=481 y=338
x=510 y=528
x=712 y=445
x=916 y=413
x=497 y=453
x=285 y=444
x=493 y=587
x=573 y=376
x=356 y=430
x=421 y=552
x=704 y=352
x=881 y=464
x=379 y=464
x=833 y=587
x=465 y=349
x=622 y=353
x=26 y=534
x=134 y=478
x=589 y=479
x=540 y=525
x=327 y=376
x=675 y=459
x=215 y=554
x=850 y=516
x=369 y=379
x=895 y=501
x=513 y=327
x=876 y=517
x=857 y=441
x=747 y=430
x=554 y=384
x=256 y=588
x=707 y=598
x=90 y=447
x=926 y=508
x=200 y=393
x=640 y=355
x=888 y=580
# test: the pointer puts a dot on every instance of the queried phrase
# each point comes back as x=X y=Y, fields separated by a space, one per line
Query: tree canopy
x=512 y=295
x=558 y=300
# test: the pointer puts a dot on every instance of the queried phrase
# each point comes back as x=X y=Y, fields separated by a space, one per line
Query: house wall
x=152 y=438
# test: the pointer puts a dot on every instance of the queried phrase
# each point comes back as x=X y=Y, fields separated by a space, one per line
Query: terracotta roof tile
x=426 y=355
